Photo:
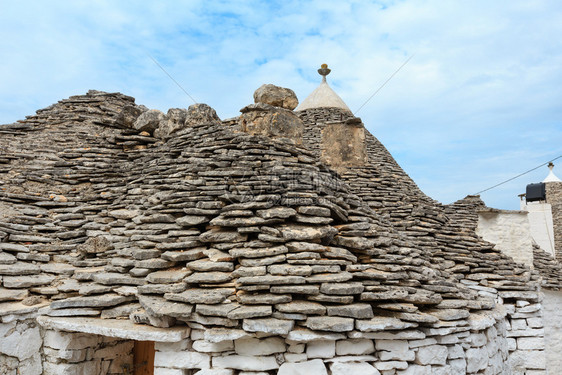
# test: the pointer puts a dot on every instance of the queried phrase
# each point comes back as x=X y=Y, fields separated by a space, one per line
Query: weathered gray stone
x=27 y=281
x=247 y=298
x=12 y=247
x=18 y=269
x=173 y=122
x=302 y=307
x=302 y=233
x=191 y=220
x=271 y=280
x=390 y=350
x=168 y=276
x=93 y=288
x=296 y=289
x=148 y=121
x=268 y=325
x=355 y=347
x=201 y=295
x=245 y=312
x=124 y=213
x=12 y=295
x=201 y=113
x=208 y=278
x=432 y=355
x=113 y=278
x=276 y=96
x=287 y=269
x=187 y=255
x=21 y=343
x=339 y=368
x=161 y=307
x=6 y=258
x=321 y=349
x=276 y=213
x=316 y=367
x=247 y=363
x=224 y=334
x=382 y=323
x=222 y=236
x=356 y=310
x=305 y=335
x=183 y=360
x=329 y=323
x=104 y=300
x=129 y=114
x=207 y=265
x=258 y=252
x=257 y=347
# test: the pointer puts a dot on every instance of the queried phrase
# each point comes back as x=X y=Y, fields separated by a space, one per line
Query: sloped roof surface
x=323 y=97
x=218 y=227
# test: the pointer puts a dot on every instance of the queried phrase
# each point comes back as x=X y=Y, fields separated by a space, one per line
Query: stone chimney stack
x=554 y=198
x=272 y=114
x=343 y=144
x=342 y=136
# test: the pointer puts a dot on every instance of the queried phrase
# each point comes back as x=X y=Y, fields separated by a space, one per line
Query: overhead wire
x=384 y=84
x=519 y=175
x=172 y=78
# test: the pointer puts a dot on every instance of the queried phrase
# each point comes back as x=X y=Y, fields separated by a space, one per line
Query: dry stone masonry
x=278 y=242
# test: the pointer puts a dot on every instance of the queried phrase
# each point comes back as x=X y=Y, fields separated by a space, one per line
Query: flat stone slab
x=17 y=308
x=104 y=300
x=124 y=329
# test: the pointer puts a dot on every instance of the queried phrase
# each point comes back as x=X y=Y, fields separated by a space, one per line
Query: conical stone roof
x=212 y=226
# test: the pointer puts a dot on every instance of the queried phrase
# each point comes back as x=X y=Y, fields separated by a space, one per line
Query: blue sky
x=480 y=101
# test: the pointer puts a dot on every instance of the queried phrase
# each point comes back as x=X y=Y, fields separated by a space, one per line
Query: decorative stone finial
x=324 y=71
x=551 y=176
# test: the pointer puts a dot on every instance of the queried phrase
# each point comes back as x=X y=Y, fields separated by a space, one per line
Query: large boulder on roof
x=178 y=119
x=276 y=96
x=148 y=121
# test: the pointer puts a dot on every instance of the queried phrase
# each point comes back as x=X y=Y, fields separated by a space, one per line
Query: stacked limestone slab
x=445 y=234
x=270 y=259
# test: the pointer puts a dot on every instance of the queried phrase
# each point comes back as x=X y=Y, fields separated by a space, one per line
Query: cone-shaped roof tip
x=551 y=176
x=323 y=96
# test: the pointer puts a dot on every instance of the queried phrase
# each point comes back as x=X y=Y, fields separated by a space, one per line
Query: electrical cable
x=385 y=82
x=519 y=175
x=172 y=78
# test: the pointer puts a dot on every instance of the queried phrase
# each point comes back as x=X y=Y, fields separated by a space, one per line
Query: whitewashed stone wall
x=20 y=344
x=540 y=221
x=525 y=332
x=475 y=345
x=510 y=231
x=552 y=303
x=79 y=353
x=507 y=339
x=26 y=348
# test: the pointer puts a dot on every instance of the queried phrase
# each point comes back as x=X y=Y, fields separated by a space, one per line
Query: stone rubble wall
x=478 y=347
x=525 y=332
x=554 y=197
x=552 y=311
x=20 y=344
x=217 y=228
x=78 y=353
x=548 y=267
x=26 y=348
